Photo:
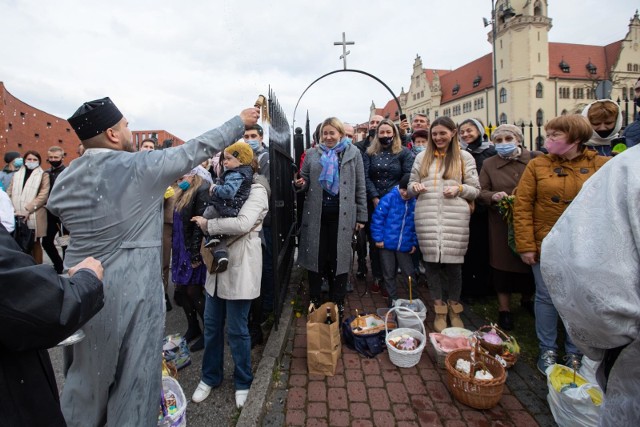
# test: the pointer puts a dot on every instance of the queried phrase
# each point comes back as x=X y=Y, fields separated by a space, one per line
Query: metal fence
x=281 y=203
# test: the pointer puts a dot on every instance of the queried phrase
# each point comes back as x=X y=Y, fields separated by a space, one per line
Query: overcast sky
x=189 y=66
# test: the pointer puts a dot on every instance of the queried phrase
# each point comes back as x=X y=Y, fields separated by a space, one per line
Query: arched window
x=503 y=119
x=539 y=90
x=539 y=143
x=635 y=67
x=503 y=96
x=564 y=112
x=624 y=94
x=629 y=67
x=539 y=117
x=537 y=9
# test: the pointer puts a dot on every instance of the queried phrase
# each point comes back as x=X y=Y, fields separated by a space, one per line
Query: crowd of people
x=428 y=198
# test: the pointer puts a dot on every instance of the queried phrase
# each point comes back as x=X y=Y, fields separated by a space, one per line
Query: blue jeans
x=236 y=313
x=547 y=318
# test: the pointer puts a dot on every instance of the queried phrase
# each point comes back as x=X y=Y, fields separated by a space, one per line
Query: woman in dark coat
x=498 y=178
x=188 y=272
x=38 y=309
x=475 y=270
x=386 y=161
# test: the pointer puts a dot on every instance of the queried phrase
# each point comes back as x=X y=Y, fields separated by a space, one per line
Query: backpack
x=368 y=345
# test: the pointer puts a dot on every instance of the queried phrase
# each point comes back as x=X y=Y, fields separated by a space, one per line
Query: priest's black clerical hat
x=94 y=117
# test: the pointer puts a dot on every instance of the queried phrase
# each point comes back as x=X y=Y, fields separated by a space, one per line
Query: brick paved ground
x=374 y=392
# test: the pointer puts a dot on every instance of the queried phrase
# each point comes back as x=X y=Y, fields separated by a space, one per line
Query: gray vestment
x=111 y=202
x=590 y=262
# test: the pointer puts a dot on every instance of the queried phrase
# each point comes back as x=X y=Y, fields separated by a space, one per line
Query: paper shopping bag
x=323 y=340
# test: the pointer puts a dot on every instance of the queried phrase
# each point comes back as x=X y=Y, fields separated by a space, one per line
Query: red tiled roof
x=464 y=77
x=428 y=73
x=390 y=110
x=577 y=56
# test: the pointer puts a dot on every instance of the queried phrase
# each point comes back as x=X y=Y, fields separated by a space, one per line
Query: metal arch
x=342 y=71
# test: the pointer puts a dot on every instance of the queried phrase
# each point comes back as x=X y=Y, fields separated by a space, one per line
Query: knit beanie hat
x=420 y=133
x=241 y=151
x=10 y=156
x=514 y=130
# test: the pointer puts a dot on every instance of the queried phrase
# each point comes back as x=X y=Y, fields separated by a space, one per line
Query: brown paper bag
x=323 y=341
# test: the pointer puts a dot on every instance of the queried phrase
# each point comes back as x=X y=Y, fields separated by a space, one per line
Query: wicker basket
x=405 y=358
x=497 y=350
x=478 y=394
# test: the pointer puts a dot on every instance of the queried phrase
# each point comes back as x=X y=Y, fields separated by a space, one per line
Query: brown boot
x=440 y=321
x=454 y=314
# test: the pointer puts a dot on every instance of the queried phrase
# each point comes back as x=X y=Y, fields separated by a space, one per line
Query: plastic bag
x=579 y=406
x=176 y=351
x=407 y=319
x=173 y=404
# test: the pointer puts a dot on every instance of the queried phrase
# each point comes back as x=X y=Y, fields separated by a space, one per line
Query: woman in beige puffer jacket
x=445 y=180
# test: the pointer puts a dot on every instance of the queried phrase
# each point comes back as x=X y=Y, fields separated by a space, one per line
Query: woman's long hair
x=452 y=160
x=396 y=144
x=185 y=197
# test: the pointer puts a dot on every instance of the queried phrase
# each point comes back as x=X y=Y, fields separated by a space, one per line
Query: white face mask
x=31 y=165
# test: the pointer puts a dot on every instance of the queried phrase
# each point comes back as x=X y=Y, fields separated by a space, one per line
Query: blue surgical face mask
x=506 y=149
x=184 y=185
x=253 y=143
x=346 y=138
x=18 y=162
x=419 y=148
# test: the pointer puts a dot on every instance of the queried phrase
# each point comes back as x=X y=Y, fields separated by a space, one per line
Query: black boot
x=193 y=326
x=198 y=345
x=505 y=320
x=167 y=302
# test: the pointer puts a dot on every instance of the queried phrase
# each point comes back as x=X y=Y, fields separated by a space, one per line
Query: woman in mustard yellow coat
x=548 y=184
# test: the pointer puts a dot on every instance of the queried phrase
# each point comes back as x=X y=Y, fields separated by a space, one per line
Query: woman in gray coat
x=333 y=178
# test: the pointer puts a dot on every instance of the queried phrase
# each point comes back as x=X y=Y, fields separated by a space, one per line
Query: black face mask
x=604 y=133
x=385 y=140
x=55 y=163
x=372 y=133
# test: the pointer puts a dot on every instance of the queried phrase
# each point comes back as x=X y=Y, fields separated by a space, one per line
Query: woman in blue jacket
x=394 y=234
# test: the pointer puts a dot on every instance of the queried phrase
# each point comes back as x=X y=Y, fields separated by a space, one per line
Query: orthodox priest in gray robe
x=590 y=262
x=110 y=200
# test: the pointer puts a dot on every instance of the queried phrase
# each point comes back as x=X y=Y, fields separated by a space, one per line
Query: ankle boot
x=193 y=326
x=454 y=314
x=440 y=321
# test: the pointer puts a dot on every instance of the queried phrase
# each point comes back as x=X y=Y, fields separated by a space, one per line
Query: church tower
x=522 y=59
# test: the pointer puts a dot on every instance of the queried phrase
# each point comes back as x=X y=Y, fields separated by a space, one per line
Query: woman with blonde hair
x=445 y=180
x=335 y=205
x=386 y=161
x=188 y=272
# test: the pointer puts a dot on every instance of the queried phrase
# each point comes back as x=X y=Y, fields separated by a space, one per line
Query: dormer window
x=476 y=81
x=564 y=66
x=592 y=69
x=456 y=89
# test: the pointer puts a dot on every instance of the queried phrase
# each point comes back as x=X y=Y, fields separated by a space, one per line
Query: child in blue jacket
x=394 y=232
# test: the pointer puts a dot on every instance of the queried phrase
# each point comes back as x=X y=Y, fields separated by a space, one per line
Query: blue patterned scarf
x=330 y=175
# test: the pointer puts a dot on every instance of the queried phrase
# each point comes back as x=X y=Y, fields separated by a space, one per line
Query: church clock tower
x=522 y=59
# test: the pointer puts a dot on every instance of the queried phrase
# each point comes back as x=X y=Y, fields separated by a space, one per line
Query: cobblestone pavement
x=374 y=392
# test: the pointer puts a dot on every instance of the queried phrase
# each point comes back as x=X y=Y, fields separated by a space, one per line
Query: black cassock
x=38 y=309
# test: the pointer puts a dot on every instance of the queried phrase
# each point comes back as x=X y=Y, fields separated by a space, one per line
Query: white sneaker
x=241 y=397
x=201 y=393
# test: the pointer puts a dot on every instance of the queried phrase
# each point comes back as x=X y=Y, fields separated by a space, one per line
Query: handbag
x=369 y=345
x=24 y=235
x=62 y=239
